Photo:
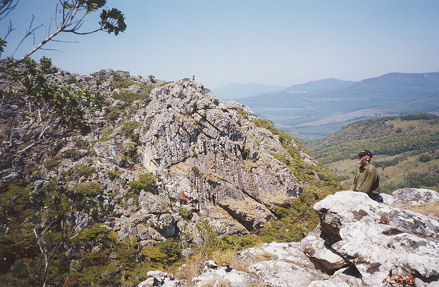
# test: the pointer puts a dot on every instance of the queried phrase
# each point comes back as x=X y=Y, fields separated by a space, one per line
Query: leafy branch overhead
x=73 y=15
x=48 y=100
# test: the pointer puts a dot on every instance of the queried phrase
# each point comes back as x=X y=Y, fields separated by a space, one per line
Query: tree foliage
x=49 y=100
x=70 y=16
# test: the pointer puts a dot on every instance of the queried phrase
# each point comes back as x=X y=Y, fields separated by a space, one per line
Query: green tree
x=55 y=225
x=51 y=104
x=70 y=16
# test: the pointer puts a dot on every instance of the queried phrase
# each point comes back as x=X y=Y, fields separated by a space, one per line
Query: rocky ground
x=207 y=158
x=359 y=242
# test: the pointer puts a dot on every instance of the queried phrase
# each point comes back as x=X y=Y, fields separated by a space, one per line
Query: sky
x=275 y=42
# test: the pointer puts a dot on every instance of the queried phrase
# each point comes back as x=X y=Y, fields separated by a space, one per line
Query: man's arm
x=354 y=185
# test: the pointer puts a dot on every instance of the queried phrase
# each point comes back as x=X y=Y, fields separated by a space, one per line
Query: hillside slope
x=405 y=148
x=147 y=175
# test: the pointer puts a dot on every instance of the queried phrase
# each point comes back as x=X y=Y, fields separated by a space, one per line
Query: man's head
x=364 y=157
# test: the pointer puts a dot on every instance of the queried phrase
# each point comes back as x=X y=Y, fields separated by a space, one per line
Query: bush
x=185 y=213
x=128 y=96
x=80 y=170
x=87 y=188
x=148 y=179
x=72 y=153
x=128 y=128
x=146 y=182
x=113 y=174
x=51 y=164
x=425 y=158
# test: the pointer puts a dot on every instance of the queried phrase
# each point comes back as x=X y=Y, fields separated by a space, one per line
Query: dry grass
x=264 y=256
x=190 y=269
x=243 y=265
x=223 y=256
x=219 y=283
x=431 y=209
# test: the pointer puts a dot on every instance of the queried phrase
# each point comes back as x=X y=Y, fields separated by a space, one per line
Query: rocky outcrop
x=359 y=242
x=208 y=157
x=206 y=154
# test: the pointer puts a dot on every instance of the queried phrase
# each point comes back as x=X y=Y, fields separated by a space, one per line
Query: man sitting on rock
x=366 y=178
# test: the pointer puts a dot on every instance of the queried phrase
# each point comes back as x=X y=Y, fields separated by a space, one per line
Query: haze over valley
x=316 y=109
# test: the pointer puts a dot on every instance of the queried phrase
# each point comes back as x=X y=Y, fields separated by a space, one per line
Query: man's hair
x=364 y=153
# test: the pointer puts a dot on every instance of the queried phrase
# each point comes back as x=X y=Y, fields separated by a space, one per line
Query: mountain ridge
x=319 y=113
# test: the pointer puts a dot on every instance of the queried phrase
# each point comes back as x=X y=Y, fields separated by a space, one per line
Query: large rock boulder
x=359 y=242
x=414 y=196
x=378 y=239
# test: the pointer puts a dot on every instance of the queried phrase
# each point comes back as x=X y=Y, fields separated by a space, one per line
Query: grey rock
x=318 y=250
x=377 y=238
x=162 y=279
x=414 y=196
x=221 y=276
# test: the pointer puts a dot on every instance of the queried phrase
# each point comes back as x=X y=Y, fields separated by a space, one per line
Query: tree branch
x=7 y=7
x=28 y=33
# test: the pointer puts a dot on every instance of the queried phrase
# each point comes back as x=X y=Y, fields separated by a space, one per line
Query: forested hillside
x=405 y=148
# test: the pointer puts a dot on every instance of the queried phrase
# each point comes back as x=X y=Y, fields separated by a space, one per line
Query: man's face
x=363 y=160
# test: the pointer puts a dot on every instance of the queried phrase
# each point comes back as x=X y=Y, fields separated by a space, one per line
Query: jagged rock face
x=377 y=238
x=207 y=154
x=359 y=242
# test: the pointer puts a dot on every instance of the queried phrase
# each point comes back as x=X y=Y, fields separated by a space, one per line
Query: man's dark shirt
x=366 y=180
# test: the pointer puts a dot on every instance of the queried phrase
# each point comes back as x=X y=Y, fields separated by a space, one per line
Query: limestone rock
x=317 y=247
x=162 y=279
x=414 y=196
x=377 y=238
x=206 y=154
x=222 y=276
x=281 y=264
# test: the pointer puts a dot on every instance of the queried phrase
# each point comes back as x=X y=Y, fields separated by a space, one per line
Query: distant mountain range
x=318 y=108
x=236 y=91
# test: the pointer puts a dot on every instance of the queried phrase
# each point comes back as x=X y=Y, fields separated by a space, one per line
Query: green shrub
x=79 y=171
x=114 y=114
x=128 y=96
x=113 y=174
x=148 y=179
x=185 y=213
x=128 y=128
x=51 y=164
x=425 y=157
x=238 y=242
x=146 y=182
x=137 y=186
x=181 y=95
x=243 y=114
x=105 y=136
x=121 y=83
x=87 y=188
x=71 y=80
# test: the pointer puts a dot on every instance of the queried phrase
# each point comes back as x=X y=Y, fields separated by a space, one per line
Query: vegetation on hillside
x=54 y=230
x=405 y=148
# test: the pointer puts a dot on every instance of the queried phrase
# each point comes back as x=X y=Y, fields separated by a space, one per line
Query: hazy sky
x=279 y=42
